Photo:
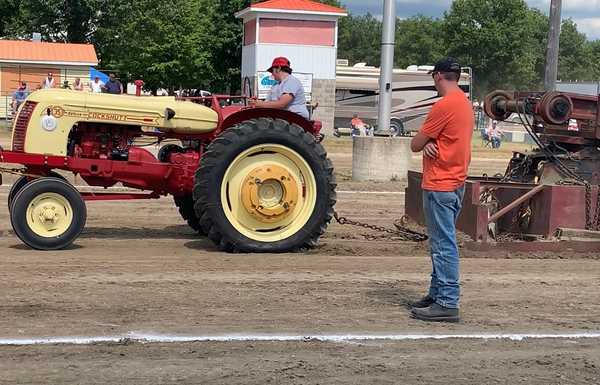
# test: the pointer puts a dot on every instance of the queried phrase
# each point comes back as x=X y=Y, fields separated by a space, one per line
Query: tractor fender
x=245 y=114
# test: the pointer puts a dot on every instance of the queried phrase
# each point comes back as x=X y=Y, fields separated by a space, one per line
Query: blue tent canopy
x=94 y=72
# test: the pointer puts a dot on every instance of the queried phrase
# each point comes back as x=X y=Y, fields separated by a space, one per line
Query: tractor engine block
x=96 y=141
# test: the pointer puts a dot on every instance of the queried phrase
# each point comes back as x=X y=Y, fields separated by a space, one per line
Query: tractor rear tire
x=48 y=214
x=185 y=204
x=265 y=185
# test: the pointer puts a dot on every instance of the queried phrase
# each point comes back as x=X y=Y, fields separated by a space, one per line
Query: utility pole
x=551 y=70
x=388 y=37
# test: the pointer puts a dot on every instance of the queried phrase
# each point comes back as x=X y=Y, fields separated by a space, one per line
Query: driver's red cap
x=279 y=62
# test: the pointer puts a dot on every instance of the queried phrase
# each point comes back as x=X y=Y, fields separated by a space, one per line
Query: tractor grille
x=20 y=128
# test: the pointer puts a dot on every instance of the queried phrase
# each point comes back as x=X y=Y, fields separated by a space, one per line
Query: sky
x=586 y=13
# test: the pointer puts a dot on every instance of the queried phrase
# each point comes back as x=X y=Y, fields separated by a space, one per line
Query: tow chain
x=592 y=222
x=401 y=232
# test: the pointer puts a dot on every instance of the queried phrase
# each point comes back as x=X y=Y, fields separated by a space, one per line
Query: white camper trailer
x=357 y=92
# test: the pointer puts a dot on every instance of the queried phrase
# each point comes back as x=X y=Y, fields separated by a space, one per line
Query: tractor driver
x=288 y=94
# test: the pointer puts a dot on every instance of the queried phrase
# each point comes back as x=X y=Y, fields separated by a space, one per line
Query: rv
x=357 y=92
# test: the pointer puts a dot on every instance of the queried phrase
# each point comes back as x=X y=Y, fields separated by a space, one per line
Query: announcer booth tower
x=306 y=33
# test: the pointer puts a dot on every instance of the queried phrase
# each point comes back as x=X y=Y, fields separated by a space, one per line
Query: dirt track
x=138 y=268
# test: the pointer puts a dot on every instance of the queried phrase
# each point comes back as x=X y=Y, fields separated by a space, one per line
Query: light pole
x=387 y=64
x=551 y=70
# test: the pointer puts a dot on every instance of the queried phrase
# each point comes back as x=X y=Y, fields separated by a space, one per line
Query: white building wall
x=319 y=61
x=249 y=67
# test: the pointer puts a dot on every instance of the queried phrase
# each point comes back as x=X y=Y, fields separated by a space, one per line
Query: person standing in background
x=96 y=85
x=19 y=96
x=78 y=85
x=113 y=86
x=48 y=81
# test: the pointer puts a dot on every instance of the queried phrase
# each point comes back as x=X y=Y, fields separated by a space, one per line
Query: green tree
x=10 y=11
x=594 y=49
x=419 y=40
x=57 y=20
x=358 y=39
x=538 y=23
x=166 y=44
x=575 y=54
x=493 y=38
x=225 y=44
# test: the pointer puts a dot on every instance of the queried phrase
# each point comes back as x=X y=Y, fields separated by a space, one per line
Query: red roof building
x=305 y=32
x=31 y=61
x=303 y=6
x=23 y=51
x=299 y=5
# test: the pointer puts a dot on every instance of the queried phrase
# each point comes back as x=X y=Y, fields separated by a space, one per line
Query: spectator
x=96 y=85
x=494 y=134
x=358 y=126
x=19 y=96
x=78 y=85
x=48 y=81
x=113 y=86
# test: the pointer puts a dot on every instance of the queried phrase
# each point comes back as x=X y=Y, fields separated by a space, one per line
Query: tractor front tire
x=265 y=185
x=48 y=214
x=22 y=181
x=18 y=185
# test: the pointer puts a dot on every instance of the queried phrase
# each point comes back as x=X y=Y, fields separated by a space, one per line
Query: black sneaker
x=435 y=312
x=423 y=302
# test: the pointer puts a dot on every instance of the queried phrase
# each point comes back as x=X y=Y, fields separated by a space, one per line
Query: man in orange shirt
x=445 y=139
x=357 y=125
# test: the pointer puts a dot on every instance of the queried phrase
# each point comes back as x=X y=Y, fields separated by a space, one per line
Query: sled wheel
x=265 y=185
x=22 y=181
x=185 y=204
x=48 y=214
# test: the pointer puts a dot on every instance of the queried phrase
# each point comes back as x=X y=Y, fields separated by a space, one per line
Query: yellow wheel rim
x=268 y=193
x=49 y=215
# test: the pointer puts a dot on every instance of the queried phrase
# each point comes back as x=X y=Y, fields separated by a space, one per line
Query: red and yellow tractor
x=251 y=179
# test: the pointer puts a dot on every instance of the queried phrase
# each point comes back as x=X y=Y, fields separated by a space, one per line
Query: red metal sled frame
x=553 y=207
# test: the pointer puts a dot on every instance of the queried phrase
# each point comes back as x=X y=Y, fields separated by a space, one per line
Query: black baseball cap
x=448 y=64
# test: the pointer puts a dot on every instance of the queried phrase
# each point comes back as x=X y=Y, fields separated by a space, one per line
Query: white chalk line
x=335 y=338
x=100 y=189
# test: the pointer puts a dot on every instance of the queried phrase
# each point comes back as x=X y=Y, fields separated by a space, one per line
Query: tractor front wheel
x=48 y=214
x=265 y=185
x=22 y=181
x=18 y=185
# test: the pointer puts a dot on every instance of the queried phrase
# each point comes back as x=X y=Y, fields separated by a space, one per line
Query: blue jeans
x=496 y=142
x=441 y=211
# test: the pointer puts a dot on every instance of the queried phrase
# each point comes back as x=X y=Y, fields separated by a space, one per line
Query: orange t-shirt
x=450 y=124
x=357 y=122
